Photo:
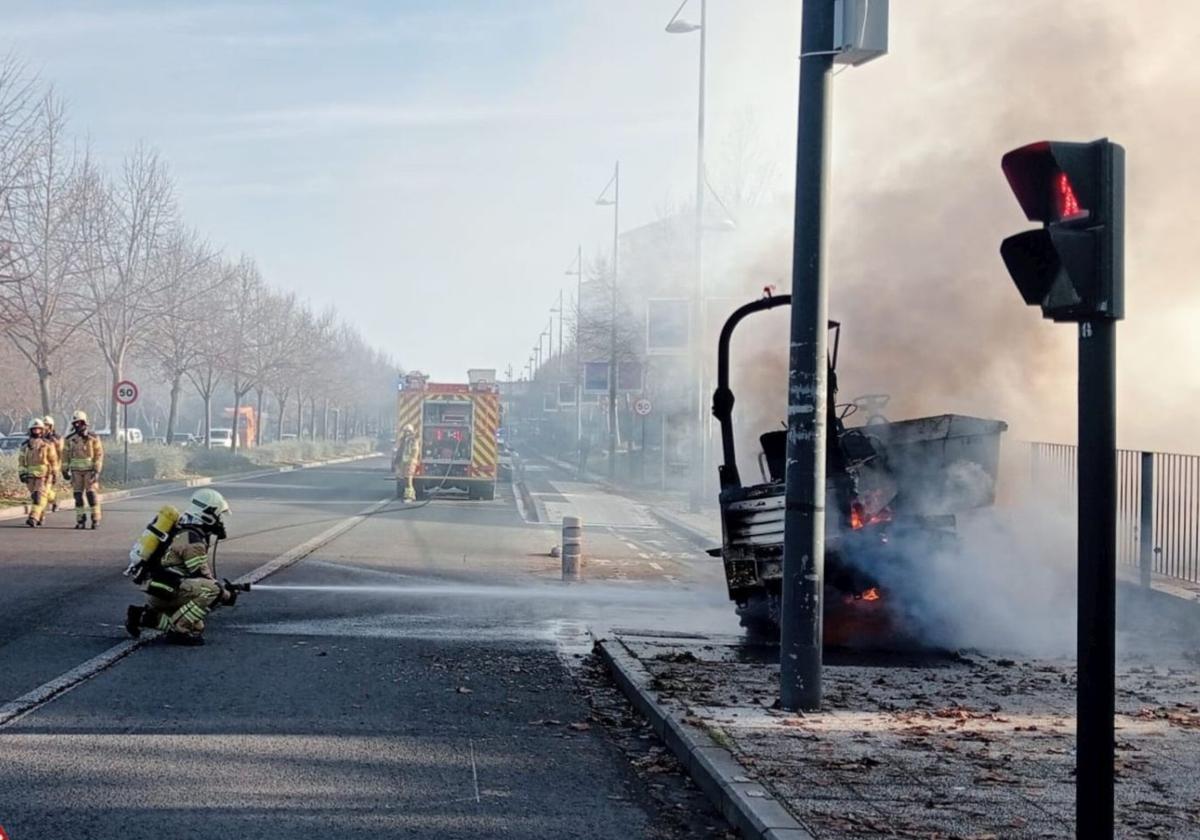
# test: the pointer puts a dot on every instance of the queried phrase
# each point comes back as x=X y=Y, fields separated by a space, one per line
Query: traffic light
x=1073 y=267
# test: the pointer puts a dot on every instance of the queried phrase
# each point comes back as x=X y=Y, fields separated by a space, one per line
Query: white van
x=220 y=438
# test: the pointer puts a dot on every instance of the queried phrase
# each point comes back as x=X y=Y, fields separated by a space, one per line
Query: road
x=418 y=675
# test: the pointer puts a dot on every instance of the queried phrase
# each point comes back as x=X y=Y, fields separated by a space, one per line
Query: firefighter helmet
x=36 y=423
x=208 y=506
x=408 y=429
x=79 y=417
x=49 y=421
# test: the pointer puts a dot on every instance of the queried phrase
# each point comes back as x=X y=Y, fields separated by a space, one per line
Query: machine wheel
x=487 y=492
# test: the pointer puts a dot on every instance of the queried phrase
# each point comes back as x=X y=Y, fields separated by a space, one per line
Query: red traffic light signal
x=1073 y=267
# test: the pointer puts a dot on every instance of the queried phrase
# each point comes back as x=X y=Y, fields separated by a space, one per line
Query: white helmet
x=408 y=429
x=36 y=423
x=49 y=421
x=79 y=417
x=207 y=506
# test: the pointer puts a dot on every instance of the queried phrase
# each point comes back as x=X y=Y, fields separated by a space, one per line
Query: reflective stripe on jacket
x=37 y=457
x=83 y=452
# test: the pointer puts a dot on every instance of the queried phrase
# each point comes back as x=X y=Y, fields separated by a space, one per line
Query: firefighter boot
x=133 y=620
x=80 y=521
x=175 y=637
x=31 y=522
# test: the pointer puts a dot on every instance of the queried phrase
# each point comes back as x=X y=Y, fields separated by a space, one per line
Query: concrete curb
x=17 y=512
x=747 y=805
x=705 y=541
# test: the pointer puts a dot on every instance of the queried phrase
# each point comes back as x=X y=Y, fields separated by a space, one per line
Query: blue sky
x=418 y=164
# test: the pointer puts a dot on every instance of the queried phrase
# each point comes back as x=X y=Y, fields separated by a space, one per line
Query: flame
x=859 y=518
x=871 y=594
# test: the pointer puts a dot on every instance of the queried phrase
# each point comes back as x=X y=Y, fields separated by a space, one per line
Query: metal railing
x=1158 y=506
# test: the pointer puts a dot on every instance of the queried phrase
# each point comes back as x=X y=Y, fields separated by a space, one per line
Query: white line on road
x=43 y=694
x=655 y=566
x=474 y=770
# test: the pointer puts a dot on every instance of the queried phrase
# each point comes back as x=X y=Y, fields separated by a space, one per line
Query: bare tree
x=191 y=273
x=208 y=366
x=132 y=220
x=18 y=144
x=39 y=312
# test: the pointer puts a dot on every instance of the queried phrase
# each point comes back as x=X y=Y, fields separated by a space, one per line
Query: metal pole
x=560 y=325
x=662 y=453
x=578 y=342
x=1146 y=523
x=696 y=485
x=125 y=424
x=612 y=331
x=1095 y=747
x=804 y=517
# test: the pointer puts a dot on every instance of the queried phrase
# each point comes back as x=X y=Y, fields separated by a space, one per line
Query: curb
x=746 y=804
x=18 y=512
x=703 y=540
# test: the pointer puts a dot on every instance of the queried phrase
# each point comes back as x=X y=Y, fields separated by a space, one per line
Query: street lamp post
x=679 y=26
x=615 y=201
x=578 y=272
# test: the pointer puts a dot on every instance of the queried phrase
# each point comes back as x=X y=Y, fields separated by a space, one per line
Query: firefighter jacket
x=83 y=451
x=188 y=554
x=57 y=440
x=408 y=454
x=38 y=457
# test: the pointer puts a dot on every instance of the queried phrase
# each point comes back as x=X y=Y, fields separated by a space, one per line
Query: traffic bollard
x=572 y=548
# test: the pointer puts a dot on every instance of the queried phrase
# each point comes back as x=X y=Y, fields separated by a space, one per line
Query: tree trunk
x=299 y=415
x=237 y=410
x=173 y=411
x=208 y=420
x=279 y=420
x=258 y=418
x=44 y=387
x=325 y=419
x=312 y=418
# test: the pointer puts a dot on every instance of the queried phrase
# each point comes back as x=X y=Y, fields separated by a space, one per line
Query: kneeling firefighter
x=170 y=560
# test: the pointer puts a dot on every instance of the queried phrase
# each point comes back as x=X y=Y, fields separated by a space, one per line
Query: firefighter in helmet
x=55 y=438
x=180 y=587
x=404 y=462
x=83 y=462
x=36 y=462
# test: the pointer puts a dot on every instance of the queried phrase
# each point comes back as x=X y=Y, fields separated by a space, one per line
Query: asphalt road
x=417 y=676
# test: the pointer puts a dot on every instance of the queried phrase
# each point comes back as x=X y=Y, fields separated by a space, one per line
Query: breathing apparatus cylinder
x=153 y=541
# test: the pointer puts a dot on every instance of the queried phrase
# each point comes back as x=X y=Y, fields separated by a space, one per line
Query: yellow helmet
x=79 y=417
x=408 y=428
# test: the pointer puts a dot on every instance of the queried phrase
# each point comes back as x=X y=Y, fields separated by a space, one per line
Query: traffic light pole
x=804 y=516
x=1095 y=738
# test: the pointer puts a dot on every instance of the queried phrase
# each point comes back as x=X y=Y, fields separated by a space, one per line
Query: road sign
x=126 y=392
x=642 y=407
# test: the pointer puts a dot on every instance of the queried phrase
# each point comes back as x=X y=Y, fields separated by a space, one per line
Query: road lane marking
x=33 y=700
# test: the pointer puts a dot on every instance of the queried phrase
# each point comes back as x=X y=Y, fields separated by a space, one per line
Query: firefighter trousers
x=37 y=497
x=85 y=486
x=185 y=612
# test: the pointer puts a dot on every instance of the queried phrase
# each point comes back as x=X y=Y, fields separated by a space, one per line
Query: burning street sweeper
x=893 y=490
x=170 y=561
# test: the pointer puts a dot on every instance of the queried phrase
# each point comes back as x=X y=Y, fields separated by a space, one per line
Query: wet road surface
x=417 y=676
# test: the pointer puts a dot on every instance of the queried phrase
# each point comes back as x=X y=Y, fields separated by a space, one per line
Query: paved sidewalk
x=935 y=746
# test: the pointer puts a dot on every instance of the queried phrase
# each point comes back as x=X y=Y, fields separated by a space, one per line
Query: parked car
x=11 y=443
x=287 y=436
x=504 y=471
x=134 y=434
x=220 y=438
x=184 y=439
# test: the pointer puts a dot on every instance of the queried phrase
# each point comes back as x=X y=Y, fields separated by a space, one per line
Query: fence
x=1158 y=506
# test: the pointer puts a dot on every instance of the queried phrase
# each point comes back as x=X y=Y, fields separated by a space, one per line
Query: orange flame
x=871 y=594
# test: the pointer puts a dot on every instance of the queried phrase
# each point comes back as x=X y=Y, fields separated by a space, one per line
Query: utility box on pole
x=860 y=30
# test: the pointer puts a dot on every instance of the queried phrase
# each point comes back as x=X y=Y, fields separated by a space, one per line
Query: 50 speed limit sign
x=641 y=407
x=126 y=392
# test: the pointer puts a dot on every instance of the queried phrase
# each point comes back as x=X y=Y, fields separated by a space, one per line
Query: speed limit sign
x=642 y=407
x=126 y=392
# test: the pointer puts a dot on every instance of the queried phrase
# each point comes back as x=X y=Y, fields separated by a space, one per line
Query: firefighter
x=82 y=467
x=180 y=587
x=404 y=462
x=55 y=438
x=36 y=462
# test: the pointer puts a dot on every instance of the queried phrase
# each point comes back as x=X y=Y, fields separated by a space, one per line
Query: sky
x=428 y=167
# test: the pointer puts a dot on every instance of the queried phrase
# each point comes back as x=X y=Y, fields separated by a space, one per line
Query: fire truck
x=456 y=424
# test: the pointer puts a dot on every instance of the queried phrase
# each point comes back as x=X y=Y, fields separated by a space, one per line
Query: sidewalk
x=158 y=488
x=912 y=745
